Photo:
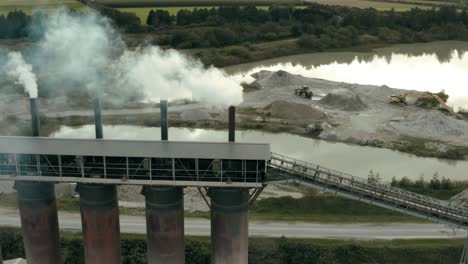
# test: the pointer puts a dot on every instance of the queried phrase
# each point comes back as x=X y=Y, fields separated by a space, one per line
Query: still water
x=355 y=160
x=424 y=67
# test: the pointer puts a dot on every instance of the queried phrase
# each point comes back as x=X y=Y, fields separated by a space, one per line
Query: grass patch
x=29 y=6
x=324 y=208
x=169 y=3
x=381 y=6
x=9 y=200
x=142 y=12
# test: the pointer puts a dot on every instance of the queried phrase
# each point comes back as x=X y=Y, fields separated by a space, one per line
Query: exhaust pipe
x=164 y=215
x=38 y=213
x=98 y=118
x=100 y=213
x=232 y=123
x=164 y=125
x=229 y=217
x=35 y=122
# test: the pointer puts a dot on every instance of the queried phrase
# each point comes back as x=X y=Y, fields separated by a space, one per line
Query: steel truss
x=371 y=192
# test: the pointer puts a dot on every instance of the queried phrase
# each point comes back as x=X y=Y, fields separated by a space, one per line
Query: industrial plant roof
x=134 y=148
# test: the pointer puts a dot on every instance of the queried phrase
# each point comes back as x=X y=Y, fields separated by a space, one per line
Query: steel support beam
x=165 y=215
x=100 y=214
x=39 y=222
x=38 y=213
x=229 y=225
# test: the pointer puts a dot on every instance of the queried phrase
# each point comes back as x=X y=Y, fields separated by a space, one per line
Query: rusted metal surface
x=39 y=222
x=229 y=225
x=165 y=224
x=100 y=223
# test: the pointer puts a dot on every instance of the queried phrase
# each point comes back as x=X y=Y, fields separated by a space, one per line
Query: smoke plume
x=77 y=49
x=84 y=50
x=17 y=68
x=171 y=75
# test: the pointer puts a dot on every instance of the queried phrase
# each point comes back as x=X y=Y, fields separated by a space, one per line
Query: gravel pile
x=293 y=111
x=267 y=79
x=433 y=124
x=344 y=102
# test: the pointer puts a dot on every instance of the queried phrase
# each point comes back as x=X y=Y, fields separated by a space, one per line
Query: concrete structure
x=165 y=215
x=38 y=211
x=99 y=211
x=229 y=225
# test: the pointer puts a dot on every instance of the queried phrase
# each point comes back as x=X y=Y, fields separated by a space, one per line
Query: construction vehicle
x=425 y=99
x=304 y=91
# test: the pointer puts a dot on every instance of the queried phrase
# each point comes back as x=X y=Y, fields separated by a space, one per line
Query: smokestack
x=98 y=117
x=232 y=123
x=164 y=128
x=100 y=213
x=34 y=117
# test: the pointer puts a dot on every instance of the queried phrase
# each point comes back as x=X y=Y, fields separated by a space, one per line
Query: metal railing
x=130 y=170
x=369 y=191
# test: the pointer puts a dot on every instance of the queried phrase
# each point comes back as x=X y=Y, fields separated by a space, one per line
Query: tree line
x=316 y=27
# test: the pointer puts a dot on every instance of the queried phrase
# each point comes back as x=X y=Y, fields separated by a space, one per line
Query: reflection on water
x=355 y=160
x=423 y=67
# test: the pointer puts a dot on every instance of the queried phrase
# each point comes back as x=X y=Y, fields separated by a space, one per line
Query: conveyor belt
x=371 y=192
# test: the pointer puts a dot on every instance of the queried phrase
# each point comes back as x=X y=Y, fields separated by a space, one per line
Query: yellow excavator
x=401 y=99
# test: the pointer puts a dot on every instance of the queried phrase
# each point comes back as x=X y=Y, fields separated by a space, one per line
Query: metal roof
x=134 y=148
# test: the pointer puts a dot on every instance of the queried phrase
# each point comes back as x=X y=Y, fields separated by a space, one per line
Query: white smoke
x=171 y=75
x=17 y=68
x=78 y=48
x=85 y=50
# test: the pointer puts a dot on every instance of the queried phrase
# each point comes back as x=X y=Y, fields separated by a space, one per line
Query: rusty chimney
x=232 y=123
x=34 y=117
x=36 y=200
